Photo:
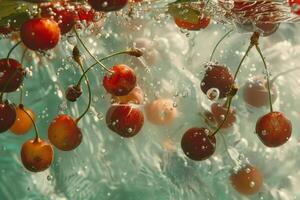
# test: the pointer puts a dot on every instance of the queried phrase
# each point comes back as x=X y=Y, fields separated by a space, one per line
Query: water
x=152 y=165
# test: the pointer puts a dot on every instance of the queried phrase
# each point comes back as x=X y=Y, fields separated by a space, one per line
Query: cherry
x=202 y=23
x=23 y=123
x=161 y=111
x=124 y=120
x=73 y=93
x=40 y=34
x=255 y=92
x=7 y=116
x=64 y=133
x=135 y=96
x=295 y=6
x=248 y=180
x=5 y=30
x=219 y=111
x=107 y=5
x=198 y=143
x=217 y=77
x=85 y=15
x=121 y=81
x=12 y=75
x=266 y=25
x=64 y=16
x=37 y=155
x=274 y=129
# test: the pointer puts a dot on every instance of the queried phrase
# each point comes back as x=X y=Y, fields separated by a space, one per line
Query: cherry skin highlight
x=7 y=116
x=107 y=5
x=219 y=112
x=121 y=81
x=37 y=155
x=64 y=133
x=40 y=34
x=23 y=123
x=218 y=77
x=124 y=120
x=247 y=181
x=12 y=75
x=198 y=143
x=274 y=129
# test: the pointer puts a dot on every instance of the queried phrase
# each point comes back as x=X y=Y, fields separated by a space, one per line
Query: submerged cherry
x=219 y=112
x=7 y=116
x=124 y=120
x=37 y=155
x=40 y=34
x=23 y=123
x=295 y=6
x=248 y=180
x=73 y=92
x=217 y=77
x=121 y=81
x=107 y=5
x=198 y=143
x=12 y=75
x=274 y=129
x=202 y=23
x=64 y=133
x=136 y=96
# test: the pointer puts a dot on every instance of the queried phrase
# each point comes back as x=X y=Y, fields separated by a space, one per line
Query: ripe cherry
x=23 y=123
x=64 y=16
x=7 y=116
x=248 y=180
x=121 y=81
x=202 y=23
x=107 y=5
x=12 y=75
x=255 y=92
x=295 y=6
x=219 y=112
x=73 y=93
x=37 y=155
x=274 y=129
x=135 y=96
x=64 y=133
x=124 y=120
x=161 y=111
x=40 y=34
x=198 y=143
x=218 y=77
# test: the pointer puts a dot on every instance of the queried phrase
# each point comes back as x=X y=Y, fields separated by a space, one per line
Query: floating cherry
x=121 y=81
x=219 y=111
x=73 y=93
x=23 y=123
x=7 y=116
x=64 y=133
x=198 y=143
x=274 y=129
x=40 y=34
x=219 y=77
x=12 y=75
x=202 y=23
x=107 y=6
x=124 y=120
x=247 y=180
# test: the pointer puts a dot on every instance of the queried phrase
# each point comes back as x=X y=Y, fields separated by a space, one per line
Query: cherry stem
x=37 y=137
x=11 y=50
x=85 y=47
x=244 y=57
x=105 y=58
x=219 y=42
x=89 y=91
x=282 y=73
x=267 y=76
x=21 y=88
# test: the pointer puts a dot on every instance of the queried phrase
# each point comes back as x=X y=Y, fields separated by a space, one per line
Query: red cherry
x=107 y=5
x=247 y=181
x=274 y=129
x=255 y=92
x=203 y=22
x=266 y=25
x=7 y=116
x=125 y=120
x=23 y=123
x=295 y=6
x=12 y=75
x=121 y=81
x=37 y=155
x=85 y=15
x=64 y=133
x=198 y=143
x=61 y=14
x=40 y=34
x=219 y=111
x=218 y=77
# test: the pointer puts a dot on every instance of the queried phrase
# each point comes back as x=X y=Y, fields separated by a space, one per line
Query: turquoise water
x=152 y=166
